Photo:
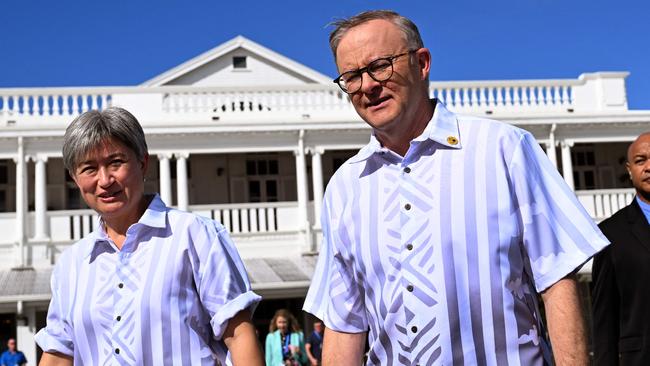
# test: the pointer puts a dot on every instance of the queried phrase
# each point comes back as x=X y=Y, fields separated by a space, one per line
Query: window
x=172 y=169
x=239 y=62
x=4 y=185
x=4 y=173
x=583 y=158
x=72 y=196
x=263 y=180
x=337 y=162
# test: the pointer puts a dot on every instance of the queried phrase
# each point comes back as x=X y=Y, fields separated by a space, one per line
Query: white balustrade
x=471 y=97
x=272 y=217
x=503 y=96
x=71 y=225
x=252 y=217
x=52 y=101
x=236 y=100
x=601 y=204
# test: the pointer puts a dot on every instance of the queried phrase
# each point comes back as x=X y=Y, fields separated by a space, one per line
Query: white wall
x=220 y=72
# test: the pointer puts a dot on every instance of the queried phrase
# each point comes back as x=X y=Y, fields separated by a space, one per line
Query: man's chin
x=644 y=194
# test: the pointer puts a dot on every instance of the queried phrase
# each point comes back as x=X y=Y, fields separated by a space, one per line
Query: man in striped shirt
x=439 y=233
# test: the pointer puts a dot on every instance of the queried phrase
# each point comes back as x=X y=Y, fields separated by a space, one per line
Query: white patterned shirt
x=439 y=254
x=165 y=297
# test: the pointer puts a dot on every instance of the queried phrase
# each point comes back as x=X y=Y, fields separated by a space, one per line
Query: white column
x=165 y=179
x=25 y=330
x=181 y=181
x=40 y=199
x=317 y=183
x=301 y=183
x=567 y=166
x=21 y=201
x=550 y=146
x=550 y=152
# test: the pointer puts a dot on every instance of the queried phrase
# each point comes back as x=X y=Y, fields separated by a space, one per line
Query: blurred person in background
x=314 y=344
x=12 y=356
x=285 y=343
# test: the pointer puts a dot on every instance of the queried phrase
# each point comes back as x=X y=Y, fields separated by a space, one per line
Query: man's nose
x=368 y=84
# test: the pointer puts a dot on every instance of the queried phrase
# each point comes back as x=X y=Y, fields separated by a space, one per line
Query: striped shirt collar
x=155 y=216
x=442 y=128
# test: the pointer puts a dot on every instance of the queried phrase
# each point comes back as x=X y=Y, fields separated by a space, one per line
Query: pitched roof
x=244 y=43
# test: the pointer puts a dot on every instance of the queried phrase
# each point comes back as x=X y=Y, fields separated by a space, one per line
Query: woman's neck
x=116 y=227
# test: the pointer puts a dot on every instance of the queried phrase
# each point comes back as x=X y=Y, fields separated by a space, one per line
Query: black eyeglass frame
x=360 y=71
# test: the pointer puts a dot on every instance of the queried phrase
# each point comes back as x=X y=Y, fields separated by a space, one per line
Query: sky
x=125 y=42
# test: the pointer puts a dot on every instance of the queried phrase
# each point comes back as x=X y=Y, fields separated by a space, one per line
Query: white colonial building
x=249 y=137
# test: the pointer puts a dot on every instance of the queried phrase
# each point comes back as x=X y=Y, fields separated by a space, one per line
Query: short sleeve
x=558 y=234
x=334 y=296
x=57 y=335
x=220 y=276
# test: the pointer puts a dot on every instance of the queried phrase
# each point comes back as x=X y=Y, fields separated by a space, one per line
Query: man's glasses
x=379 y=70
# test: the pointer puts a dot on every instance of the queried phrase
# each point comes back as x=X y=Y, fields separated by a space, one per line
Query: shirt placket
x=124 y=307
x=409 y=214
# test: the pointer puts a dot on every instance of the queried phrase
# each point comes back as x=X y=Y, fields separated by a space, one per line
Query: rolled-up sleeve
x=558 y=234
x=57 y=335
x=334 y=295
x=222 y=282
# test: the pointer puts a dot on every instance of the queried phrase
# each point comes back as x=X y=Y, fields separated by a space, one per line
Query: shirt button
x=407 y=206
x=409 y=288
x=409 y=246
x=120 y=285
x=118 y=318
x=407 y=170
x=117 y=351
x=414 y=329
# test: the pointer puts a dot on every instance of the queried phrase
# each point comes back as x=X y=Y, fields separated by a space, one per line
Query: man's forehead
x=640 y=146
x=369 y=40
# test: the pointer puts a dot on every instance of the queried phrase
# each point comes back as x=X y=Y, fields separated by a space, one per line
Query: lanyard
x=285 y=347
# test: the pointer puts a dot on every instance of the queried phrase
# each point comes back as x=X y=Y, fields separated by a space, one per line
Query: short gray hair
x=410 y=30
x=92 y=128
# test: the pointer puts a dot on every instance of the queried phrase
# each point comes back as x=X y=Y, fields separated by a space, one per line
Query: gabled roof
x=233 y=44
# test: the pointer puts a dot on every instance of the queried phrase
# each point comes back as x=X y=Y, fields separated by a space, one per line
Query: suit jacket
x=621 y=290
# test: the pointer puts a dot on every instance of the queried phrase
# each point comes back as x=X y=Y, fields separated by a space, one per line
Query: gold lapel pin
x=451 y=140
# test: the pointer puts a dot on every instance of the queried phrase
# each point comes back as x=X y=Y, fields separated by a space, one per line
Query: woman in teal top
x=285 y=343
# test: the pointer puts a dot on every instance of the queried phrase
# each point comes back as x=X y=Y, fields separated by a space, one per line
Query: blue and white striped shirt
x=439 y=254
x=165 y=298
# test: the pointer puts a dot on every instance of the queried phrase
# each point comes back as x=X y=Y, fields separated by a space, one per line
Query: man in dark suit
x=621 y=273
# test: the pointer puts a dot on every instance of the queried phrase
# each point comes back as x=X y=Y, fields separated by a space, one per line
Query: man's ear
x=627 y=166
x=423 y=57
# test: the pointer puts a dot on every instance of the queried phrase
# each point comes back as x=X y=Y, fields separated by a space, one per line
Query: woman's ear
x=145 y=164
